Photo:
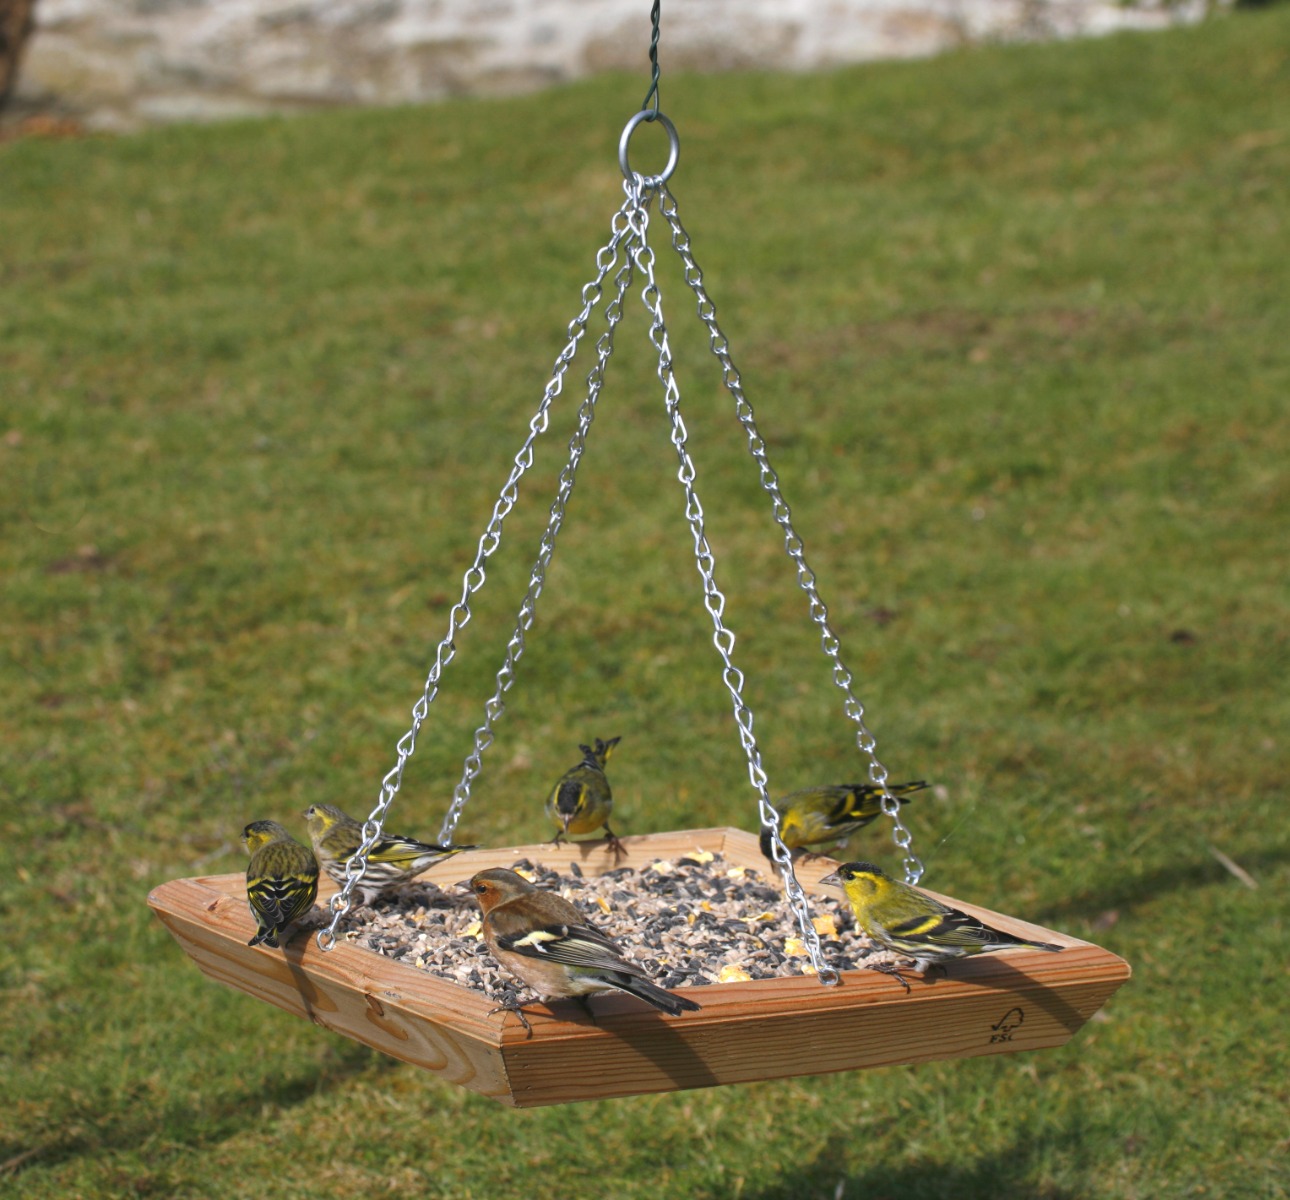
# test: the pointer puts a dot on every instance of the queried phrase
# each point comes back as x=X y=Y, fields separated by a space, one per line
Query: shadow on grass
x=129 y=1126
x=1012 y=1173
x=1126 y=892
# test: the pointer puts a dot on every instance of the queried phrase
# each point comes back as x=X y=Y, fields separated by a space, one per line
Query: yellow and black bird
x=907 y=921
x=582 y=801
x=543 y=940
x=831 y=813
x=392 y=860
x=281 y=879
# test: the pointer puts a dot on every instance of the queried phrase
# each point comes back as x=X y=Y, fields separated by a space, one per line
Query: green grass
x=1014 y=322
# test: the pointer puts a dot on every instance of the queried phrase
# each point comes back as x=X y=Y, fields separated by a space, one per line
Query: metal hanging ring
x=674 y=142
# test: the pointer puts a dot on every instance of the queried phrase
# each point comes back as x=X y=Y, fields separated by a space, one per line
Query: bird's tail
x=670 y=1003
x=268 y=936
x=1041 y=946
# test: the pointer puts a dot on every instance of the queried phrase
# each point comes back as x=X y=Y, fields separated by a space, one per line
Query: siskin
x=392 y=859
x=582 y=801
x=831 y=813
x=281 y=879
x=901 y=918
x=542 y=939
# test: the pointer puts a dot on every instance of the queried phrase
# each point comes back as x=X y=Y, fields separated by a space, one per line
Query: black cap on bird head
x=849 y=871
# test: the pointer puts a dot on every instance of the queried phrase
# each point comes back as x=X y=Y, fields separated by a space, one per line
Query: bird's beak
x=464 y=884
x=831 y=877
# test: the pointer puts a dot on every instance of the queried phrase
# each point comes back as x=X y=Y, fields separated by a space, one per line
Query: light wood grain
x=764 y=1029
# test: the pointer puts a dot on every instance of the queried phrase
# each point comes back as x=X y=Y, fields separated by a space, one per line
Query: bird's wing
x=862 y=802
x=570 y=945
x=854 y=802
x=392 y=848
x=280 y=900
x=948 y=927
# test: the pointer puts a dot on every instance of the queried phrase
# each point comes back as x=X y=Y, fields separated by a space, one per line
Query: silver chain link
x=713 y=599
x=842 y=677
x=495 y=705
x=473 y=580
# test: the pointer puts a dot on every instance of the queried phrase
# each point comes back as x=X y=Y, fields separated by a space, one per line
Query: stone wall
x=122 y=63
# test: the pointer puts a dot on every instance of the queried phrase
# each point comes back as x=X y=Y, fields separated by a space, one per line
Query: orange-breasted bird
x=542 y=939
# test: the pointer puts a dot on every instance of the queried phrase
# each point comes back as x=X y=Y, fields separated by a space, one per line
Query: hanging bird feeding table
x=819 y=1021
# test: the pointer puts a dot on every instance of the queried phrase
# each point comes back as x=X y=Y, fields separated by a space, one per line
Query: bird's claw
x=889 y=968
x=616 y=848
x=511 y=1004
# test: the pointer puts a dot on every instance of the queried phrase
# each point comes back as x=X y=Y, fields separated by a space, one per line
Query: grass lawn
x=1014 y=322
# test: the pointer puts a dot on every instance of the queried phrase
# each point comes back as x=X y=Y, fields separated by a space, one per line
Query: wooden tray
x=764 y=1029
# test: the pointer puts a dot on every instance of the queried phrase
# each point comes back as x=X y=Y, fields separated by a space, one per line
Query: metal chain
x=495 y=706
x=474 y=577
x=713 y=599
x=630 y=234
x=842 y=677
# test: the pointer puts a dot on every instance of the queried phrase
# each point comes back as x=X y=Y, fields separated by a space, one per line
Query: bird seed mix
x=689 y=922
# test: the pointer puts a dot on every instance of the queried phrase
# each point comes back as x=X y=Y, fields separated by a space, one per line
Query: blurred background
x=117 y=64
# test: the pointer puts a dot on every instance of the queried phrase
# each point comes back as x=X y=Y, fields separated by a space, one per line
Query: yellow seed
x=765 y=916
x=701 y=856
x=605 y=906
x=689 y=918
x=523 y=874
x=474 y=929
x=733 y=974
x=825 y=925
x=736 y=872
x=705 y=905
x=794 y=946
x=807 y=969
x=662 y=866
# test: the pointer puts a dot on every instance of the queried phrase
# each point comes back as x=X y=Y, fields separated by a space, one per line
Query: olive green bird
x=831 y=813
x=393 y=859
x=582 y=801
x=905 y=920
x=281 y=879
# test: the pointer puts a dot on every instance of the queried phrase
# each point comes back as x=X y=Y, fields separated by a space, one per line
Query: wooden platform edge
x=791 y=1025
